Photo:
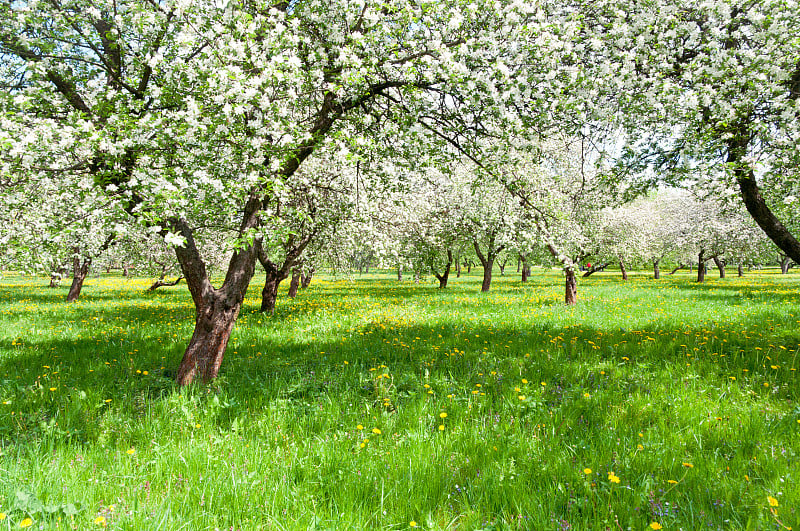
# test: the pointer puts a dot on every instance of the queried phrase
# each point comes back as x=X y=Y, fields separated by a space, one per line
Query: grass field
x=367 y=403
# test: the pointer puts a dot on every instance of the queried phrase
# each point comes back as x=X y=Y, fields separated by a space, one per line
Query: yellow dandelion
x=412 y=523
x=613 y=478
x=359 y=427
x=655 y=525
x=197 y=426
x=100 y=520
x=26 y=523
x=772 y=501
x=639 y=447
x=524 y=381
x=672 y=482
x=441 y=427
x=587 y=471
x=376 y=431
x=442 y=415
x=52 y=389
x=688 y=465
x=2 y=516
x=131 y=451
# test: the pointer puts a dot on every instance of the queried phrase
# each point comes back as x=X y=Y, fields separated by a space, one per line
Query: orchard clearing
x=368 y=403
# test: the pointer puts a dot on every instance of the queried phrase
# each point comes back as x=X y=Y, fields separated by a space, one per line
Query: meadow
x=368 y=403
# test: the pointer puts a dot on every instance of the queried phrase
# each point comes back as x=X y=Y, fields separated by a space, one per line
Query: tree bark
x=526 y=269
x=754 y=201
x=80 y=269
x=701 y=266
x=570 y=287
x=740 y=269
x=216 y=309
x=294 y=284
x=720 y=266
x=656 y=269
x=272 y=280
x=785 y=262
x=624 y=271
x=487 y=261
x=399 y=273
x=305 y=280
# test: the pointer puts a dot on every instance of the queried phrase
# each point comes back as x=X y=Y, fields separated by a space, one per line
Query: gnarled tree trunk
x=740 y=269
x=216 y=309
x=624 y=271
x=656 y=269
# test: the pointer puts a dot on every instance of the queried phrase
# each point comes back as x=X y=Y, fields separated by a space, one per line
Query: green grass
x=687 y=393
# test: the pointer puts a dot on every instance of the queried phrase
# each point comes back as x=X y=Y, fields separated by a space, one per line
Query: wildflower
x=639 y=447
x=412 y=523
x=442 y=415
x=521 y=397
x=131 y=451
x=100 y=520
x=53 y=388
x=359 y=427
x=441 y=427
x=376 y=431
x=107 y=400
x=655 y=525
x=2 y=516
x=672 y=482
x=586 y=395
x=613 y=478
x=145 y=373
x=587 y=471
x=772 y=501
x=688 y=465
x=524 y=381
x=26 y=523
x=197 y=426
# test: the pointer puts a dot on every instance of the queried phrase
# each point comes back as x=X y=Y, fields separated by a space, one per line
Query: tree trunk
x=469 y=267
x=519 y=263
x=624 y=271
x=785 y=262
x=458 y=268
x=656 y=269
x=216 y=309
x=444 y=276
x=125 y=271
x=305 y=280
x=79 y=272
x=486 y=285
x=294 y=284
x=55 y=280
x=206 y=349
x=526 y=270
x=679 y=266
x=701 y=268
x=754 y=201
x=399 y=273
x=720 y=266
x=502 y=269
x=595 y=269
x=570 y=287
x=740 y=269
x=160 y=282
x=269 y=294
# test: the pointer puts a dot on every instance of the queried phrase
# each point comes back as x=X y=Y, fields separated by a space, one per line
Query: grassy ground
x=372 y=404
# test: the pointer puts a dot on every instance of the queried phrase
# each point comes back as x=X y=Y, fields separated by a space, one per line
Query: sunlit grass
x=366 y=404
